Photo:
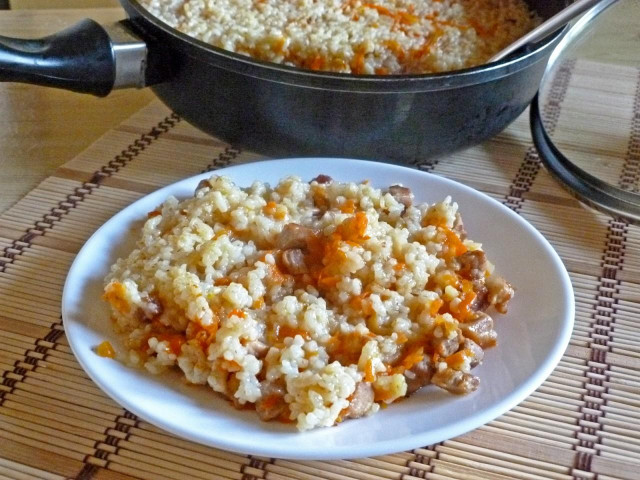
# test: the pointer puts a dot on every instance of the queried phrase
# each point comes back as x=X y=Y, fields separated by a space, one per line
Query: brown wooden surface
x=43 y=127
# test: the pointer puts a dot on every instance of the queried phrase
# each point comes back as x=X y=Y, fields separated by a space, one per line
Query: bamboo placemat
x=582 y=423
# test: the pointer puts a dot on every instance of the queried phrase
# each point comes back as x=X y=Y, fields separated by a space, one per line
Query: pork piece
x=458 y=227
x=402 y=194
x=271 y=404
x=202 y=184
x=480 y=330
x=500 y=292
x=391 y=357
x=481 y=302
x=294 y=236
x=361 y=401
x=323 y=179
x=455 y=381
x=473 y=264
x=418 y=376
x=151 y=308
x=293 y=260
x=476 y=351
x=257 y=348
x=446 y=346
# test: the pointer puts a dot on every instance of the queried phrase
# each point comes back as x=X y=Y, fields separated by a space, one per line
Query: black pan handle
x=86 y=57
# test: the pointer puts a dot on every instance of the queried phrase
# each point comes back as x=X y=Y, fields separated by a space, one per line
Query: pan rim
x=233 y=61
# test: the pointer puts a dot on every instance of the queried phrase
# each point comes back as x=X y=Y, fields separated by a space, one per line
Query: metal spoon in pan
x=549 y=26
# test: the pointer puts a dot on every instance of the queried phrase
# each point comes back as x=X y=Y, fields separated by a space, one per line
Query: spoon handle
x=547 y=27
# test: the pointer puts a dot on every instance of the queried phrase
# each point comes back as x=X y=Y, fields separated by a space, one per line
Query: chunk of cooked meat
x=500 y=292
x=447 y=346
x=257 y=348
x=418 y=376
x=458 y=227
x=293 y=261
x=481 y=302
x=271 y=404
x=323 y=179
x=294 y=236
x=476 y=351
x=402 y=194
x=480 y=330
x=455 y=381
x=202 y=184
x=361 y=401
x=473 y=264
x=391 y=357
x=152 y=307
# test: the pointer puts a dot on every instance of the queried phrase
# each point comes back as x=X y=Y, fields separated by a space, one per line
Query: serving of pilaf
x=354 y=36
x=312 y=302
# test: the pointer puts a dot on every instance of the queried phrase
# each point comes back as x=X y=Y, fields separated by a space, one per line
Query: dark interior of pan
x=282 y=111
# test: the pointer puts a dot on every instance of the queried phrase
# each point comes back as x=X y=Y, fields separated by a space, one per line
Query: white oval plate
x=532 y=336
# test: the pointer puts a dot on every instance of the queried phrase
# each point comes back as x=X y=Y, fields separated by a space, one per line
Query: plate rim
x=328 y=452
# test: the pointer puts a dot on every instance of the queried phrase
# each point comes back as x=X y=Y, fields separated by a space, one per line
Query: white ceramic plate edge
x=380 y=448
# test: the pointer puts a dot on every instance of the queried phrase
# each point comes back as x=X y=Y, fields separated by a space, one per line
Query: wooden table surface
x=43 y=127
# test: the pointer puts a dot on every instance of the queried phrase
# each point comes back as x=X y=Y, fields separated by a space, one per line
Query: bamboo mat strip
x=582 y=423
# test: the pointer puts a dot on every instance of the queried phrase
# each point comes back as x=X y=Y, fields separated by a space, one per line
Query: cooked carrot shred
x=435 y=306
x=328 y=282
x=346 y=348
x=284 y=331
x=238 y=313
x=402 y=338
x=105 y=349
x=353 y=228
x=426 y=47
x=357 y=64
x=413 y=356
x=380 y=395
x=454 y=244
x=348 y=207
x=204 y=335
x=464 y=307
x=115 y=295
x=457 y=359
x=175 y=341
x=369 y=374
x=270 y=208
x=231 y=366
x=276 y=274
x=317 y=63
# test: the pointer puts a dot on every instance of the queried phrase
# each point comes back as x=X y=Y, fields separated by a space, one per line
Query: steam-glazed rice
x=311 y=302
x=354 y=36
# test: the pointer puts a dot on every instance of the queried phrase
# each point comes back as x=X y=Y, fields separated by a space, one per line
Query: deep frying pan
x=280 y=110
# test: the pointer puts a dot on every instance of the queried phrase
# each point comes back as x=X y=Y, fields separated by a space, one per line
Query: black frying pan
x=280 y=110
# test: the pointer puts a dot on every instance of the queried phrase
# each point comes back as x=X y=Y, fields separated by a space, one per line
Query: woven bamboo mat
x=582 y=423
